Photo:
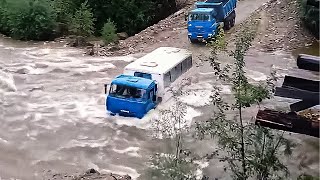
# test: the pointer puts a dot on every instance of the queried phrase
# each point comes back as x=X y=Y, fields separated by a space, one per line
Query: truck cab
x=202 y=24
x=131 y=96
x=204 y=20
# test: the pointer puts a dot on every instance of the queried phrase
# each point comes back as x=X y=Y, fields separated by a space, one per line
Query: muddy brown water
x=53 y=115
x=311 y=49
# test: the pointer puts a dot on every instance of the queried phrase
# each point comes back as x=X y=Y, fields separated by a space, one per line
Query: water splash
x=7 y=82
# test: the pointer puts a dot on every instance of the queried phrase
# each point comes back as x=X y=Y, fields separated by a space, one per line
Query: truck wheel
x=227 y=24
x=193 y=41
x=233 y=21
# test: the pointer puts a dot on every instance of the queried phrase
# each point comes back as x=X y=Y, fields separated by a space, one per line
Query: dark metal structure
x=305 y=90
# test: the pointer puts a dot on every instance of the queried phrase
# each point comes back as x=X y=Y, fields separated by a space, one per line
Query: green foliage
x=218 y=43
x=170 y=167
x=171 y=124
x=4 y=27
x=109 y=32
x=309 y=13
x=30 y=19
x=307 y=177
x=131 y=16
x=251 y=150
x=40 y=19
x=82 y=22
x=64 y=10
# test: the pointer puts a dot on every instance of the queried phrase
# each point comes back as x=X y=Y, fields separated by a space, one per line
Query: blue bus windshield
x=126 y=91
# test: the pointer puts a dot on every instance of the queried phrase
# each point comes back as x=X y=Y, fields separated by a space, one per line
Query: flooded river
x=53 y=112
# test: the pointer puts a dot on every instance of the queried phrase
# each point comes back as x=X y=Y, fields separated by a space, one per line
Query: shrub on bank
x=64 y=10
x=310 y=15
x=45 y=19
x=28 y=20
x=109 y=32
x=4 y=18
x=82 y=22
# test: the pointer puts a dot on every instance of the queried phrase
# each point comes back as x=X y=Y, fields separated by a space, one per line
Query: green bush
x=310 y=15
x=4 y=28
x=39 y=19
x=83 y=21
x=109 y=32
x=31 y=19
x=131 y=16
x=64 y=10
x=307 y=177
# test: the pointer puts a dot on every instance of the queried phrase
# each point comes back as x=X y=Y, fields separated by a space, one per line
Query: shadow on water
x=313 y=49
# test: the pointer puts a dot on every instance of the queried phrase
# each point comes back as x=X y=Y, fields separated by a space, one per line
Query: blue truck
x=131 y=96
x=144 y=82
x=204 y=20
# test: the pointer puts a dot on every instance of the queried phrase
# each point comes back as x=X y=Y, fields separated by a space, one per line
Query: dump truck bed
x=223 y=8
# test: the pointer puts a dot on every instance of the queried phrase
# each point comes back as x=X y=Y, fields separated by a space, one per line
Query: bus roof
x=132 y=81
x=159 y=61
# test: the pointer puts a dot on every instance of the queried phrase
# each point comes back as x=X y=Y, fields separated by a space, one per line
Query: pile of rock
x=90 y=174
x=150 y=36
x=93 y=174
x=284 y=30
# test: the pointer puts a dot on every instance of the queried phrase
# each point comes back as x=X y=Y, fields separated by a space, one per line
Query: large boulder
x=79 y=41
x=122 y=35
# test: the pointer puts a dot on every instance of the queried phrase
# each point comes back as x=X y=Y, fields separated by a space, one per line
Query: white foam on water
x=102 y=67
x=225 y=89
x=197 y=98
x=143 y=123
x=9 y=48
x=50 y=53
x=3 y=141
x=200 y=94
x=94 y=143
x=147 y=121
x=161 y=124
x=206 y=73
x=131 y=151
x=7 y=82
x=89 y=109
x=191 y=113
x=31 y=69
x=82 y=137
x=32 y=134
x=201 y=166
x=257 y=76
x=128 y=58
x=122 y=170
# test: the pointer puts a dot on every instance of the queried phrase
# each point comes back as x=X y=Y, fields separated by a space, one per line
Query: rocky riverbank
x=281 y=29
x=90 y=174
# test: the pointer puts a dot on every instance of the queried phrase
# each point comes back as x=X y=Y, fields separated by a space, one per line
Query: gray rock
x=122 y=35
x=79 y=41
